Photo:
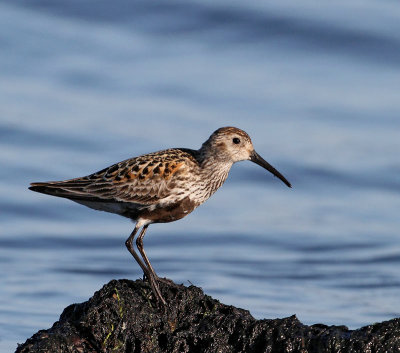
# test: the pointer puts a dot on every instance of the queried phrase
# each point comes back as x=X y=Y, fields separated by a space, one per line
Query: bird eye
x=236 y=140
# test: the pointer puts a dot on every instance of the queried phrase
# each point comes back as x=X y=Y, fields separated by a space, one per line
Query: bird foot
x=159 y=279
x=153 y=281
x=165 y=280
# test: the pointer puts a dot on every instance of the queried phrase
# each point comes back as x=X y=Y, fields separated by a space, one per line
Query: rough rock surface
x=123 y=317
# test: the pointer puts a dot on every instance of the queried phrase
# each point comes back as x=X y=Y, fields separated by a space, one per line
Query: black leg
x=148 y=271
x=129 y=245
x=139 y=244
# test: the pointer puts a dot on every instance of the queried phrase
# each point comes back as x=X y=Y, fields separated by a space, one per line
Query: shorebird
x=160 y=187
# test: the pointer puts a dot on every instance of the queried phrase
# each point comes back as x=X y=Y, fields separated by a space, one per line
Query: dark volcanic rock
x=123 y=317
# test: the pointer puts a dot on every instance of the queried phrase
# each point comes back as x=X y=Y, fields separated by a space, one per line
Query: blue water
x=316 y=85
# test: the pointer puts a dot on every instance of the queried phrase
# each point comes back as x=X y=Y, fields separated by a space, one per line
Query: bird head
x=231 y=145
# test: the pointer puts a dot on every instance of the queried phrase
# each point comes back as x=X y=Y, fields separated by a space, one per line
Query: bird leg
x=139 y=244
x=148 y=271
x=130 y=248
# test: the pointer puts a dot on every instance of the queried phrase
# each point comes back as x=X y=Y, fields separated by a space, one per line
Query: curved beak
x=256 y=158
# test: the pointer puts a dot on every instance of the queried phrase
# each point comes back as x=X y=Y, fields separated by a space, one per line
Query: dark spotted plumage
x=160 y=187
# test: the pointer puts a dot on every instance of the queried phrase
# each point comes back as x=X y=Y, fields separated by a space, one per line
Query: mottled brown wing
x=145 y=180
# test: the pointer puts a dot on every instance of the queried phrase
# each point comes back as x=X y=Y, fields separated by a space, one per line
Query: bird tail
x=67 y=189
x=50 y=188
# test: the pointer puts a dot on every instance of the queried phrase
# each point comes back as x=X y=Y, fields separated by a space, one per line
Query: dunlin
x=160 y=187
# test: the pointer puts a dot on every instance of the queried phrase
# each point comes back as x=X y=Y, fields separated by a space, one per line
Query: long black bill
x=256 y=158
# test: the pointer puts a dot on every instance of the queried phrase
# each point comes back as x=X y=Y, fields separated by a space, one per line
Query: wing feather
x=145 y=180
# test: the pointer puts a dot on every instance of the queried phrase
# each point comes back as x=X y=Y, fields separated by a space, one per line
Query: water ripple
x=230 y=26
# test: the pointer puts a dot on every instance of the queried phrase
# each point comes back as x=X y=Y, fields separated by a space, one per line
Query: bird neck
x=208 y=155
x=213 y=171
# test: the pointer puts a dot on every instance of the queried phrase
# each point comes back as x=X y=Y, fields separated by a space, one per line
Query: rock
x=123 y=317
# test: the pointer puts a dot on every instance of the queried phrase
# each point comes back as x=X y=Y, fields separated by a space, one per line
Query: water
x=316 y=85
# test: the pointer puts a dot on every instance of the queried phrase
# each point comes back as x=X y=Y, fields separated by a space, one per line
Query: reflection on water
x=84 y=86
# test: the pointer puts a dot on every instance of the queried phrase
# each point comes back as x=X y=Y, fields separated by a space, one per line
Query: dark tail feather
x=49 y=189
x=59 y=189
x=39 y=187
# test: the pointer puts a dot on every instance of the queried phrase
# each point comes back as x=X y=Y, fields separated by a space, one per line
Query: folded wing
x=144 y=180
